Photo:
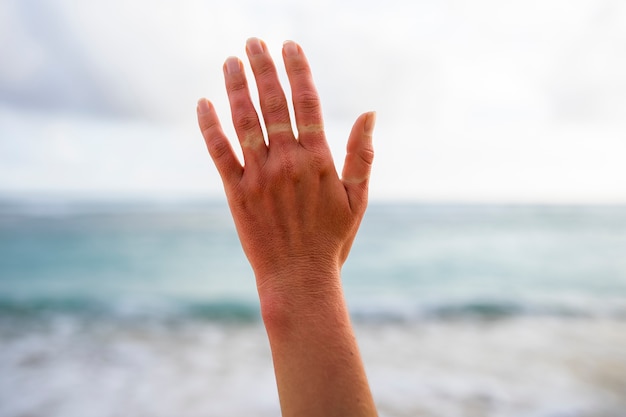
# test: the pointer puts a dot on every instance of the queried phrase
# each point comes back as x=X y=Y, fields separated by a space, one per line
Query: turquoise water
x=409 y=261
x=150 y=294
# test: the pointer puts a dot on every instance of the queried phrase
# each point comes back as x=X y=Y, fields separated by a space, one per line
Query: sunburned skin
x=296 y=220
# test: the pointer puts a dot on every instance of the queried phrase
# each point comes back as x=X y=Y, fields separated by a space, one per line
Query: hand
x=296 y=220
x=291 y=210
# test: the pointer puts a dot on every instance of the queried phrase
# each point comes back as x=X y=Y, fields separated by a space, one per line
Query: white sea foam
x=525 y=367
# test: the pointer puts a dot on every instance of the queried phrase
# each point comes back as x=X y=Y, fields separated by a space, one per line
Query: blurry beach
x=148 y=309
x=123 y=288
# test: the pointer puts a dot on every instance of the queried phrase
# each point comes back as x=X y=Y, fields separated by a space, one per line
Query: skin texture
x=296 y=219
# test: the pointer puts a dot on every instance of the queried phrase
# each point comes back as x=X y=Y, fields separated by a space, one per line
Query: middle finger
x=271 y=95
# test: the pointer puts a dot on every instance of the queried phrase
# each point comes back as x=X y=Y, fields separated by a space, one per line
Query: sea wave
x=90 y=308
x=486 y=310
x=247 y=311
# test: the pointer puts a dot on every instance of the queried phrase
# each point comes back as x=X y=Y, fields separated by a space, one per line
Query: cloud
x=109 y=59
x=468 y=94
x=47 y=68
x=438 y=60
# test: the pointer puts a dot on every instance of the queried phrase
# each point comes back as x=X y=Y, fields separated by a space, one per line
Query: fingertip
x=217 y=143
x=204 y=106
x=360 y=152
x=232 y=65
x=361 y=134
x=255 y=46
x=369 y=123
x=291 y=49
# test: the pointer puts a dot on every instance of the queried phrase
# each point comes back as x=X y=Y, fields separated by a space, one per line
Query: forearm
x=318 y=367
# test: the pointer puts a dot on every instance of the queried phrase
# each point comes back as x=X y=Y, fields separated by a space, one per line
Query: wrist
x=297 y=276
x=301 y=296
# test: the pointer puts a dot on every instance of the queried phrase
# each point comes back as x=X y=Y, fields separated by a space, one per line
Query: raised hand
x=296 y=219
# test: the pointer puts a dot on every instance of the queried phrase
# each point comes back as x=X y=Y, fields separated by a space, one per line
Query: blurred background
x=489 y=276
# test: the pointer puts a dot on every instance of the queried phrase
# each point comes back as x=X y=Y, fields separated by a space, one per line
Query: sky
x=479 y=102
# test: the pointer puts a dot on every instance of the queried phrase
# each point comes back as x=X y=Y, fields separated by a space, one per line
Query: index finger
x=306 y=102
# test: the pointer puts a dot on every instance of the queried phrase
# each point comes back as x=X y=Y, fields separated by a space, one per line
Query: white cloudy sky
x=481 y=101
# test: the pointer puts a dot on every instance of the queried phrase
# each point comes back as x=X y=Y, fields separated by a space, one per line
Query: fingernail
x=255 y=46
x=232 y=65
x=291 y=48
x=203 y=106
x=370 y=121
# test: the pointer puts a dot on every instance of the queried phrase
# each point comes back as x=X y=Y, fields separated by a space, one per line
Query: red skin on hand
x=296 y=219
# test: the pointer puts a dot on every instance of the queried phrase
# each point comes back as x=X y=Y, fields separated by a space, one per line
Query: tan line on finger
x=311 y=128
x=252 y=141
x=279 y=128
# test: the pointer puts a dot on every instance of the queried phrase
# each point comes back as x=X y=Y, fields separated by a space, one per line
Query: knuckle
x=314 y=138
x=283 y=170
x=245 y=122
x=237 y=84
x=300 y=69
x=288 y=167
x=308 y=101
x=208 y=126
x=255 y=188
x=367 y=155
x=218 y=147
x=264 y=69
x=274 y=104
x=322 y=163
x=317 y=158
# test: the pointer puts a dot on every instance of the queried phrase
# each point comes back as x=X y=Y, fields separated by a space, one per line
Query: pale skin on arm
x=296 y=219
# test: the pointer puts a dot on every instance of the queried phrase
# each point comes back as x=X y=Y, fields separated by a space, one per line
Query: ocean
x=138 y=308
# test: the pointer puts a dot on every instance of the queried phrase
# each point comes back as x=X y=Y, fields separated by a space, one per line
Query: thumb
x=359 y=158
